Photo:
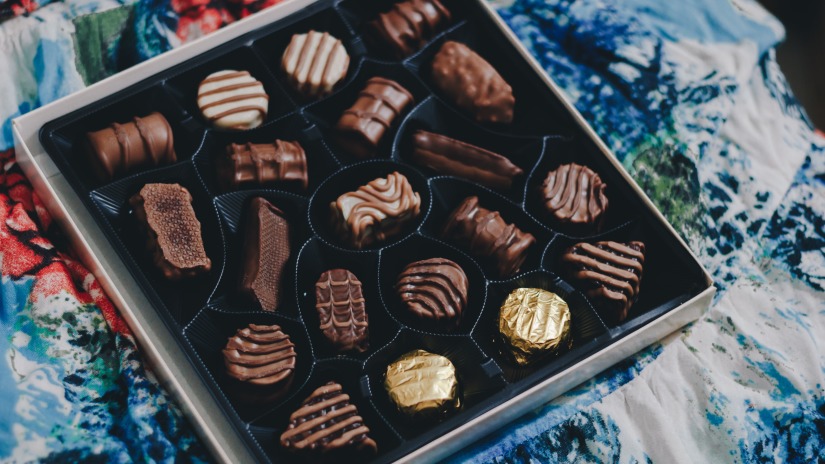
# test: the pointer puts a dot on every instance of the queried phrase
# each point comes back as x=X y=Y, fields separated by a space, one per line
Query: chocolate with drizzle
x=328 y=425
x=434 y=289
x=233 y=100
x=341 y=310
x=314 y=62
x=574 y=194
x=611 y=271
x=409 y=25
x=261 y=358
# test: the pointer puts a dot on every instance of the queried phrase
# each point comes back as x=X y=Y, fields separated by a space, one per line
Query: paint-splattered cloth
x=689 y=96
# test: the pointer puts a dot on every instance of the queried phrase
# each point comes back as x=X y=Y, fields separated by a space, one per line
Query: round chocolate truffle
x=574 y=194
x=423 y=385
x=534 y=323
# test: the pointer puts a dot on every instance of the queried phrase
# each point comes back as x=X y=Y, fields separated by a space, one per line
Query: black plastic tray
x=205 y=311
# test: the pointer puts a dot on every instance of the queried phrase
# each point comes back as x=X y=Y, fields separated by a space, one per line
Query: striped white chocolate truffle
x=314 y=62
x=232 y=99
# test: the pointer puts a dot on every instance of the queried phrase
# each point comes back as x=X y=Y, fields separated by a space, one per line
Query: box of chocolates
x=345 y=229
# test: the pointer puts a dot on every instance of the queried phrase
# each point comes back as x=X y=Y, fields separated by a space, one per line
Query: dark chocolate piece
x=261 y=358
x=611 y=271
x=263 y=165
x=266 y=251
x=341 y=310
x=173 y=232
x=485 y=234
x=361 y=127
x=472 y=84
x=456 y=158
x=409 y=25
x=375 y=211
x=327 y=424
x=434 y=289
x=145 y=142
x=314 y=62
x=575 y=195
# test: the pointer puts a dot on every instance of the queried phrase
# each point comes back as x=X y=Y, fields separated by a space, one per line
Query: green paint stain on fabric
x=97 y=40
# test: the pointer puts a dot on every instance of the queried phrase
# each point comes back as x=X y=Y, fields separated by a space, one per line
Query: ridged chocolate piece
x=375 y=211
x=119 y=149
x=341 y=310
x=314 y=62
x=173 y=231
x=328 y=425
x=263 y=165
x=361 y=127
x=472 y=84
x=456 y=158
x=611 y=271
x=434 y=289
x=486 y=235
x=409 y=25
x=574 y=194
x=266 y=251
x=233 y=100
x=262 y=359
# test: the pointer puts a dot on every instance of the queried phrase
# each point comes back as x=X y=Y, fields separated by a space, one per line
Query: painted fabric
x=688 y=95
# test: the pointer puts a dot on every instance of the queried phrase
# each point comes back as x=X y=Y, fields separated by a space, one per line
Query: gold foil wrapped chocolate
x=423 y=384
x=534 y=323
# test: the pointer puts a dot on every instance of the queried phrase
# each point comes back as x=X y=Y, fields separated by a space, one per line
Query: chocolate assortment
x=389 y=246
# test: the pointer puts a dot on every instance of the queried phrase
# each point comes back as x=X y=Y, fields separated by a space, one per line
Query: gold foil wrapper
x=422 y=384
x=534 y=323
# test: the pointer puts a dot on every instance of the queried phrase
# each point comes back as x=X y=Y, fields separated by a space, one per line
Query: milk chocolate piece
x=361 y=127
x=409 y=25
x=328 y=425
x=534 y=323
x=266 y=251
x=575 y=195
x=434 y=289
x=375 y=211
x=314 y=62
x=173 y=231
x=341 y=310
x=263 y=165
x=456 y=158
x=610 y=271
x=232 y=99
x=486 y=235
x=119 y=149
x=423 y=385
x=261 y=358
x=472 y=84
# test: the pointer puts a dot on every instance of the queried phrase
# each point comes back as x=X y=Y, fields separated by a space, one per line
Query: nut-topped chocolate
x=534 y=323
x=142 y=143
x=610 y=271
x=434 y=289
x=263 y=165
x=376 y=211
x=261 y=358
x=409 y=25
x=232 y=99
x=328 y=425
x=173 y=232
x=473 y=84
x=487 y=235
x=314 y=63
x=362 y=126
x=574 y=194
x=341 y=310
x=266 y=251
x=423 y=385
x=454 y=157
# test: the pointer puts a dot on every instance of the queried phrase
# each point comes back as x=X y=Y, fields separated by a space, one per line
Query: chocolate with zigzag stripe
x=409 y=25
x=361 y=127
x=341 y=310
x=314 y=62
x=328 y=425
x=434 y=289
x=232 y=99
x=610 y=271
x=261 y=358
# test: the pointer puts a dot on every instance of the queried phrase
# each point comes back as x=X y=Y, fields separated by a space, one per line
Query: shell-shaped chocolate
x=611 y=271
x=408 y=25
x=434 y=289
x=262 y=358
x=574 y=194
x=325 y=423
x=341 y=310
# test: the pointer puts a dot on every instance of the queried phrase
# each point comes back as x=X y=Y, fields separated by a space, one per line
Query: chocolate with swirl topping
x=261 y=358
x=611 y=271
x=375 y=211
x=327 y=424
x=434 y=289
x=575 y=195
